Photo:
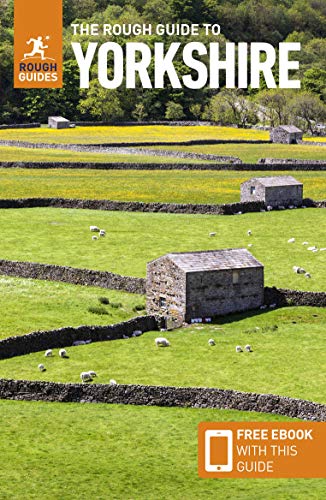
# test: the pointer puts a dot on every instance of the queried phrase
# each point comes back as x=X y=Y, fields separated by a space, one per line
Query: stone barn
x=185 y=286
x=282 y=190
x=58 y=122
x=286 y=134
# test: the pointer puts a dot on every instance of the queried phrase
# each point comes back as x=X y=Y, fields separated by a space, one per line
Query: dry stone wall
x=183 y=397
x=102 y=279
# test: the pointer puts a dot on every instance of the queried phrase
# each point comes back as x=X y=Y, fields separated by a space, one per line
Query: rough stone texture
x=286 y=134
x=283 y=297
x=135 y=206
x=290 y=161
x=274 y=191
x=184 y=397
x=182 y=287
x=279 y=166
x=65 y=337
x=20 y=125
x=73 y=275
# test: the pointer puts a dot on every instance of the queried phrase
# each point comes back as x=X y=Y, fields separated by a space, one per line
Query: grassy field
x=251 y=153
x=281 y=335
x=106 y=452
x=28 y=305
x=61 y=236
x=97 y=135
x=57 y=155
x=174 y=186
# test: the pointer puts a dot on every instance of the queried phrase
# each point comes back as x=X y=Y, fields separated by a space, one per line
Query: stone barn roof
x=291 y=129
x=279 y=180
x=213 y=260
x=58 y=119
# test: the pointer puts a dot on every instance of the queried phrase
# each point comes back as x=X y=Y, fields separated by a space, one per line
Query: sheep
x=211 y=342
x=238 y=348
x=79 y=342
x=322 y=249
x=102 y=233
x=238 y=213
x=298 y=270
x=125 y=337
x=162 y=342
x=249 y=232
x=113 y=382
x=249 y=245
x=137 y=333
x=307 y=275
x=48 y=353
x=92 y=373
x=263 y=307
x=281 y=207
x=269 y=208
x=248 y=348
x=41 y=367
x=305 y=243
x=212 y=234
x=272 y=306
x=94 y=238
x=86 y=377
x=291 y=240
x=94 y=229
x=311 y=249
x=63 y=353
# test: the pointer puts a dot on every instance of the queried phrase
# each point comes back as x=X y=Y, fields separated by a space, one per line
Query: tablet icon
x=218 y=450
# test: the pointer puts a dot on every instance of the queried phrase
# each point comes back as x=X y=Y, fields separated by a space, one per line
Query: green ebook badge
x=261 y=449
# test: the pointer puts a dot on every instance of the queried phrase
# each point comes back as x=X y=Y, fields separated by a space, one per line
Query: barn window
x=235 y=277
x=162 y=301
x=253 y=190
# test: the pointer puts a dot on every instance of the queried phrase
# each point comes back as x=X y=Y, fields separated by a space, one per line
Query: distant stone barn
x=280 y=190
x=58 y=122
x=286 y=134
x=186 y=286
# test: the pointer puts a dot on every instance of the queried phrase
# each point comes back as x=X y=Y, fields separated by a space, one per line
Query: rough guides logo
x=38 y=44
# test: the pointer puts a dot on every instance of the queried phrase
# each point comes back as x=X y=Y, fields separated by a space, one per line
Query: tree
x=174 y=111
x=139 y=113
x=314 y=81
x=273 y=106
x=195 y=110
x=100 y=103
x=231 y=106
x=307 y=110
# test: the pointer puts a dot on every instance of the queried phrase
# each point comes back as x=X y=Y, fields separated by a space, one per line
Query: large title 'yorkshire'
x=243 y=65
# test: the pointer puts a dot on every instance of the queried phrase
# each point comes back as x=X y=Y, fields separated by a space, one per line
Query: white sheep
x=102 y=233
x=211 y=342
x=79 y=342
x=162 y=342
x=311 y=249
x=137 y=333
x=41 y=367
x=263 y=307
x=322 y=249
x=307 y=275
x=125 y=337
x=291 y=240
x=212 y=234
x=249 y=245
x=113 y=382
x=63 y=353
x=269 y=208
x=296 y=269
x=272 y=306
x=86 y=377
x=94 y=229
x=248 y=348
x=94 y=238
x=238 y=348
x=92 y=373
x=305 y=243
x=249 y=232
x=281 y=207
x=48 y=353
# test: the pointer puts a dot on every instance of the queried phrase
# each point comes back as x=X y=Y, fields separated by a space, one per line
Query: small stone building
x=58 y=122
x=186 y=286
x=286 y=134
x=283 y=190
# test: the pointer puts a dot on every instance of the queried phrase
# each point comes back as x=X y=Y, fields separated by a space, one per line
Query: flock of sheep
x=163 y=342
x=95 y=229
